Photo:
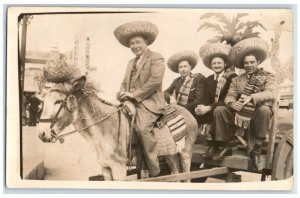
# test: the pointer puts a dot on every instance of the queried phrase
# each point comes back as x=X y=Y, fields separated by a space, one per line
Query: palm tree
x=230 y=30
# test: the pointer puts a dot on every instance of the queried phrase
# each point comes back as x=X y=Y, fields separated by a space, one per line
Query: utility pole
x=24 y=22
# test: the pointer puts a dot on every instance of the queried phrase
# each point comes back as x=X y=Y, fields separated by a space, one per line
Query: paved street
x=72 y=160
x=76 y=160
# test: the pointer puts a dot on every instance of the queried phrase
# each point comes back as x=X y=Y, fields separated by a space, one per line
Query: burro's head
x=60 y=108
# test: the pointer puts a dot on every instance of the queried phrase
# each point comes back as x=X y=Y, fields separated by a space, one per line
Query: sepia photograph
x=127 y=97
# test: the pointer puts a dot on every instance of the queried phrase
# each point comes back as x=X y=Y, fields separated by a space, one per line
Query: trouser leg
x=31 y=117
x=222 y=127
x=262 y=120
x=34 y=117
x=145 y=121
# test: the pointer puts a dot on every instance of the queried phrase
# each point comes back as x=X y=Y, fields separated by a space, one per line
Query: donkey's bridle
x=54 y=135
x=54 y=120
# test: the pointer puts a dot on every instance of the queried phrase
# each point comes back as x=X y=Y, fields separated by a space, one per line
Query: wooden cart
x=277 y=158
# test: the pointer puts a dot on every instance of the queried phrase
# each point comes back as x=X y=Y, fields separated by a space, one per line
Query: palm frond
x=254 y=24
x=239 y=26
x=261 y=25
x=208 y=25
x=253 y=34
x=240 y=15
x=207 y=15
x=236 y=19
x=230 y=27
x=248 y=33
x=222 y=18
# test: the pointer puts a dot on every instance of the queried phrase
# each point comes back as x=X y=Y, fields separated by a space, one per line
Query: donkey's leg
x=119 y=171
x=107 y=173
x=105 y=170
x=185 y=161
x=173 y=162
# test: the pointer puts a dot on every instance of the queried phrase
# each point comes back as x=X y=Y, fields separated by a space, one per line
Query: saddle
x=175 y=122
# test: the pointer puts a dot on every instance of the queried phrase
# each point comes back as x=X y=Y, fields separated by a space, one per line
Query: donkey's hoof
x=96 y=178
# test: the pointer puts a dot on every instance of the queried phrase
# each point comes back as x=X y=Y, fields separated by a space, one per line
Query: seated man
x=250 y=96
x=215 y=57
x=188 y=88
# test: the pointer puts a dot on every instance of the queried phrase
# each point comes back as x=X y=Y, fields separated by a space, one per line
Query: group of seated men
x=224 y=100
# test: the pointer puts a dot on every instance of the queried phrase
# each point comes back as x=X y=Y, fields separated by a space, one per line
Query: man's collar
x=146 y=52
x=190 y=74
x=220 y=74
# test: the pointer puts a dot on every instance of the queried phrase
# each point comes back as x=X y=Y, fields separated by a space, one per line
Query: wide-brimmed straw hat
x=59 y=72
x=255 y=45
x=185 y=55
x=137 y=28
x=212 y=50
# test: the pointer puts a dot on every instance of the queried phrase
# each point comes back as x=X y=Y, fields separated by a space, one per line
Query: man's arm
x=232 y=95
x=123 y=85
x=200 y=96
x=269 y=92
x=168 y=92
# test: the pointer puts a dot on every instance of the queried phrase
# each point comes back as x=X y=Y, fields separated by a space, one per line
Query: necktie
x=217 y=78
x=135 y=62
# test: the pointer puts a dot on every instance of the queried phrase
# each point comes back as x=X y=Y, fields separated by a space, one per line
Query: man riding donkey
x=188 y=87
x=250 y=96
x=142 y=85
x=215 y=57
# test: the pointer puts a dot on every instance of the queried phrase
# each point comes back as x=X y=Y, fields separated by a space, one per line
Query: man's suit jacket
x=265 y=97
x=148 y=81
x=210 y=92
x=196 y=95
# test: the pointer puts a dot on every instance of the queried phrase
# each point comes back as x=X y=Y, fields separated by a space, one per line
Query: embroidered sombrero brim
x=212 y=50
x=186 y=55
x=137 y=28
x=60 y=71
x=254 y=45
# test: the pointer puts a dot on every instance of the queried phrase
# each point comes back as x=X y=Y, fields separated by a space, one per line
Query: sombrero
x=137 y=28
x=209 y=51
x=59 y=72
x=186 y=55
x=254 y=45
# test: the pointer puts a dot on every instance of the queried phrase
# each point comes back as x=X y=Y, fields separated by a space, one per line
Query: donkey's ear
x=78 y=83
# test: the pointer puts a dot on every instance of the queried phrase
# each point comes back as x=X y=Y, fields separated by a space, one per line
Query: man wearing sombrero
x=189 y=87
x=142 y=84
x=215 y=57
x=250 y=96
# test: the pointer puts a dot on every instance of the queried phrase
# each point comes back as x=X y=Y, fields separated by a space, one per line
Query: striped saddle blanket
x=171 y=135
x=175 y=122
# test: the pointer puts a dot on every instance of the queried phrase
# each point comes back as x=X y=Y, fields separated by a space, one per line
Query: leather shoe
x=255 y=159
x=227 y=151
x=210 y=153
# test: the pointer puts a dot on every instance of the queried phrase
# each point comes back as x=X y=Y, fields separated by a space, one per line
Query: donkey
x=103 y=125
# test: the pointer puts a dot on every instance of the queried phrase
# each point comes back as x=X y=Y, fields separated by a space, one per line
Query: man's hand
x=172 y=100
x=125 y=96
x=247 y=99
x=202 y=109
x=237 y=106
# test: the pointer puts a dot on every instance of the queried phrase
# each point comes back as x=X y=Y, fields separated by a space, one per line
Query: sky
x=177 y=31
